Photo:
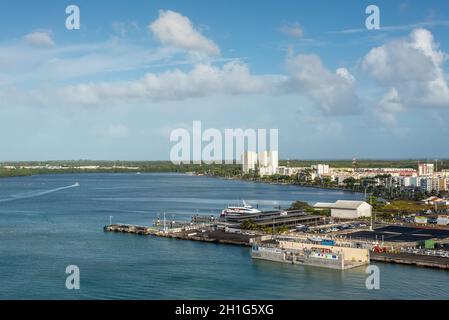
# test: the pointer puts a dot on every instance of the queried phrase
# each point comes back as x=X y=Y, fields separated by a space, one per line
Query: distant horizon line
x=433 y=159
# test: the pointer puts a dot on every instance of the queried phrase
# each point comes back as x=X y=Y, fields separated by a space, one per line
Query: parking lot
x=332 y=228
x=401 y=234
x=443 y=253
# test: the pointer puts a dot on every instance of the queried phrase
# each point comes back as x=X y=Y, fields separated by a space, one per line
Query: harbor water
x=47 y=222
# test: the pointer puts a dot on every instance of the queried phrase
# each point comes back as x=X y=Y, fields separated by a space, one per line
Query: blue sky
x=134 y=72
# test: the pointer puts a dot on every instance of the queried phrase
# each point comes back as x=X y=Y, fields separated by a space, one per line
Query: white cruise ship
x=238 y=211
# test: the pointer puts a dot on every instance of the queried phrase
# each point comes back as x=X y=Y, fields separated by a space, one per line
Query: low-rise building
x=276 y=219
x=346 y=209
x=289 y=171
x=436 y=201
x=351 y=209
x=322 y=205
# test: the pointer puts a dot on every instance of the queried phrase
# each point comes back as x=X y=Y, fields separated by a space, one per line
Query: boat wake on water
x=34 y=194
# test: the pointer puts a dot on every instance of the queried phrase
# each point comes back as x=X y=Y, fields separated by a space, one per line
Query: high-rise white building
x=274 y=160
x=425 y=169
x=249 y=161
x=322 y=169
x=263 y=159
x=266 y=161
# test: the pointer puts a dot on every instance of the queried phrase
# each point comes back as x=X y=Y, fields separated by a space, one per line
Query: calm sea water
x=46 y=225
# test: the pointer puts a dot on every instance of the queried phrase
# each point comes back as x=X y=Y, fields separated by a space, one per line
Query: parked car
x=362 y=225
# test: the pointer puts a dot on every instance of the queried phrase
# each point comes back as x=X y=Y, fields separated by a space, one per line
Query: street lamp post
x=369 y=201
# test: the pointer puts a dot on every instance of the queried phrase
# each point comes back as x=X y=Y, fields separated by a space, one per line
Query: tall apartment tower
x=322 y=169
x=249 y=161
x=425 y=169
x=274 y=160
x=263 y=159
x=268 y=163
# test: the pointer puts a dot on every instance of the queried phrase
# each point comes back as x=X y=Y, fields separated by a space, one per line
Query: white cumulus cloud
x=292 y=29
x=203 y=80
x=414 y=67
x=389 y=106
x=333 y=92
x=173 y=29
x=39 y=38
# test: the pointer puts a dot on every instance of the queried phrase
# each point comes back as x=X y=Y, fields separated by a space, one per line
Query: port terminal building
x=276 y=219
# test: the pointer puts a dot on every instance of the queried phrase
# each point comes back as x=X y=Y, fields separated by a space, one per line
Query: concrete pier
x=412 y=259
x=195 y=233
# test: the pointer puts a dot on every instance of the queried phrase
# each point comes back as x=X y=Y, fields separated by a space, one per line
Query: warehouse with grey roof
x=346 y=209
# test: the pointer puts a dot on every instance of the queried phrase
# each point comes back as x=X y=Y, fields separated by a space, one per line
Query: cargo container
x=421 y=220
x=326 y=242
x=429 y=244
x=443 y=220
